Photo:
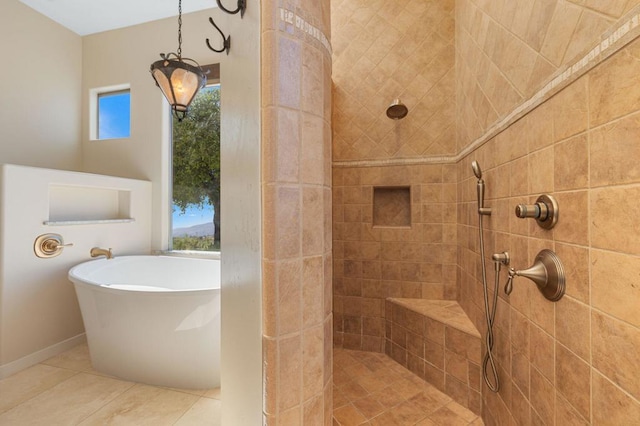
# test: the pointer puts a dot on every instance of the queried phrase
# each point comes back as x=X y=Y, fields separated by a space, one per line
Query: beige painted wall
x=40 y=86
x=57 y=68
x=242 y=312
x=123 y=57
x=39 y=312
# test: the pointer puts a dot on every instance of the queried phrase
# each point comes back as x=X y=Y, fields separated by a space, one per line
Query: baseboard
x=13 y=367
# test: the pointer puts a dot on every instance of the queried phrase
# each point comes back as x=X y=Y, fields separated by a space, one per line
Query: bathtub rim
x=76 y=279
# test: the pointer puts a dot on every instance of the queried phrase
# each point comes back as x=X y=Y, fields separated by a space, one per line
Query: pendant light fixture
x=178 y=80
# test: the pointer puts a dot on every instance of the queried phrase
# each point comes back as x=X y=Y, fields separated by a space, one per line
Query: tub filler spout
x=97 y=251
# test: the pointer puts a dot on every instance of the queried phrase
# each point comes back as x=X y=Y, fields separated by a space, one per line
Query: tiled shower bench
x=437 y=341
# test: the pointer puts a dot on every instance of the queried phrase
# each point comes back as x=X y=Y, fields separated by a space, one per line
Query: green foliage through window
x=196 y=172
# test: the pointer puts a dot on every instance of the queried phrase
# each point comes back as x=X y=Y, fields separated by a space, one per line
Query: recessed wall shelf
x=84 y=205
x=392 y=206
x=85 y=222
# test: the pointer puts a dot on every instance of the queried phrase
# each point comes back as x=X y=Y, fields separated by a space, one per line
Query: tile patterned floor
x=66 y=390
x=369 y=389
x=372 y=389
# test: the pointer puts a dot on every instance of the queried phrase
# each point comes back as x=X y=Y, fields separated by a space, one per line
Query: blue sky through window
x=193 y=215
x=114 y=115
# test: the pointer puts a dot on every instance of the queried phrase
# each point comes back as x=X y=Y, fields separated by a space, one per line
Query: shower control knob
x=536 y=211
x=49 y=245
x=544 y=211
x=546 y=272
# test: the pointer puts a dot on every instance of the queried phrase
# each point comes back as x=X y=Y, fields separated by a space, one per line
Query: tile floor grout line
x=398 y=389
x=186 y=411
x=108 y=402
x=70 y=367
x=405 y=398
x=42 y=391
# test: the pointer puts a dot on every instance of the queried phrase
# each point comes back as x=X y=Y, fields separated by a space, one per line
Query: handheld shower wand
x=480 y=189
x=489 y=310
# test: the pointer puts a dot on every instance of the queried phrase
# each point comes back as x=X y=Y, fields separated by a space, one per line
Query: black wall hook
x=226 y=40
x=242 y=5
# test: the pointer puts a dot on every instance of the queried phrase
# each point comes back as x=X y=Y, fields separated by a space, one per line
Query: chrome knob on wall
x=545 y=211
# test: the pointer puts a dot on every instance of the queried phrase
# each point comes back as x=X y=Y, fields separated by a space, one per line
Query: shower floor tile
x=371 y=389
x=66 y=390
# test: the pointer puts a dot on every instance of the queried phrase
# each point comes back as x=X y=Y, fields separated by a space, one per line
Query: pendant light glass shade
x=179 y=82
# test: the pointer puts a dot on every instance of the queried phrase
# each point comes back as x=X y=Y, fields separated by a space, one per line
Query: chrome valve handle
x=49 y=245
x=508 y=287
x=535 y=211
x=547 y=272
x=544 y=211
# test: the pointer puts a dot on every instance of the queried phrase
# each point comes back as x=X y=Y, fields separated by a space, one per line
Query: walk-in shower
x=489 y=310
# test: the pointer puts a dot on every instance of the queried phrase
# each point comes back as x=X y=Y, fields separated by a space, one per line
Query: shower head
x=397 y=110
x=476 y=169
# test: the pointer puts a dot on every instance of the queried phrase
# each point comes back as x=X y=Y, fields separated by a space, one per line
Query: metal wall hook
x=242 y=6
x=226 y=40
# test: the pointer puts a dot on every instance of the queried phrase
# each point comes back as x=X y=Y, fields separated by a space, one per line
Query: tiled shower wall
x=507 y=49
x=296 y=192
x=574 y=361
x=373 y=262
x=382 y=51
x=385 y=50
x=565 y=363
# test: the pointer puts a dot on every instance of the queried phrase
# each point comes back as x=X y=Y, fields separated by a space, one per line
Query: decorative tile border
x=612 y=41
x=398 y=161
x=292 y=22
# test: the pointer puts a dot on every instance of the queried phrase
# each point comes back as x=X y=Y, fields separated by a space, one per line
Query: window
x=114 y=115
x=110 y=112
x=196 y=174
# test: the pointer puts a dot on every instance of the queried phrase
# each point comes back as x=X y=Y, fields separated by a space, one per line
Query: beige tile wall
x=507 y=49
x=435 y=340
x=372 y=262
x=388 y=50
x=574 y=361
x=296 y=191
x=563 y=363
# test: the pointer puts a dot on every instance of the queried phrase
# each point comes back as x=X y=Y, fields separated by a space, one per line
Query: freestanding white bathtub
x=152 y=319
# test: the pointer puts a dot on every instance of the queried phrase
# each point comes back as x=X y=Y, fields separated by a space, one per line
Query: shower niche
x=392 y=206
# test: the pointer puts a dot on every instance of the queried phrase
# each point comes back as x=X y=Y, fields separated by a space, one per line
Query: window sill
x=189 y=253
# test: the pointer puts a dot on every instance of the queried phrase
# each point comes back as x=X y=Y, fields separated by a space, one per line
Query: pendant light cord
x=179 y=29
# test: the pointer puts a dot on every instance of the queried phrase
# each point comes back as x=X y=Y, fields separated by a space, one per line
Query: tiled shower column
x=296 y=193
